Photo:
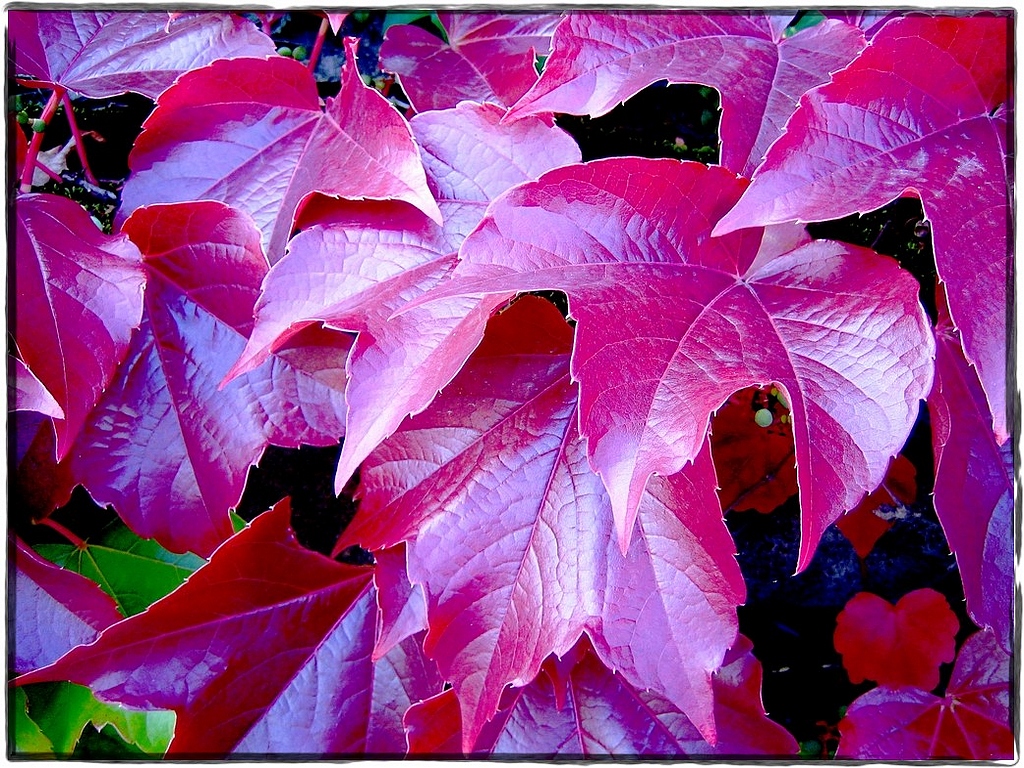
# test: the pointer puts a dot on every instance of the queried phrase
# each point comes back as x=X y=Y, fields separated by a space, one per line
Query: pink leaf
x=105 y=53
x=897 y=646
x=489 y=57
x=869 y=20
x=514 y=543
x=673 y=322
x=28 y=392
x=263 y=626
x=336 y=19
x=972 y=721
x=166 y=447
x=601 y=59
x=79 y=295
x=53 y=610
x=403 y=606
x=589 y=711
x=924 y=110
x=250 y=132
x=973 y=485
x=370 y=259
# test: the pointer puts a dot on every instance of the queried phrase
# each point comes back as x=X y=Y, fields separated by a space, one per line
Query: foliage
x=539 y=563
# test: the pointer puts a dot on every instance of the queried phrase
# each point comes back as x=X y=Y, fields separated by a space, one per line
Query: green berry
x=22 y=117
x=284 y=50
x=763 y=418
x=38 y=125
x=299 y=53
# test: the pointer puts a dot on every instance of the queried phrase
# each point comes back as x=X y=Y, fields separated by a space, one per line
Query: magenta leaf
x=165 y=446
x=972 y=721
x=489 y=57
x=254 y=627
x=973 y=485
x=403 y=606
x=353 y=265
x=250 y=132
x=869 y=20
x=513 y=535
x=105 y=53
x=53 y=610
x=924 y=110
x=672 y=322
x=589 y=711
x=28 y=392
x=79 y=295
x=601 y=59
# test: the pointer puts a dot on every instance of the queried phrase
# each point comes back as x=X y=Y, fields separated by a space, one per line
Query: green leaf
x=804 y=20
x=28 y=739
x=135 y=572
x=105 y=744
x=62 y=710
x=411 y=17
x=237 y=521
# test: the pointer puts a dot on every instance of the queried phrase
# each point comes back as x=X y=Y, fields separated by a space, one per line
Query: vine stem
x=36 y=144
x=69 y=535
x=318 y=46
x=79 y=146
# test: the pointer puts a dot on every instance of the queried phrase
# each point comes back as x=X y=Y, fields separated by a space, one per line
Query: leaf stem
x=79 y=146
x=31 y=159
x=49 y=172
x=318 y=46
x=67 y=534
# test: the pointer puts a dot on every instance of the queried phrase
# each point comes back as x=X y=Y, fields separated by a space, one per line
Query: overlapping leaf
x=866 y=523
x=973 y=485
x=269 y=631
x=672 y=322
x=77 y=297
x=166 y=447
x=972 y=721
x=924 y=110
x=28 y=392
x=601 y=59
x=353 y=265
x=513 y=535
x=104 y=53
x=488 y=57
x=587 y=711
x=250 y=133
x=53 y=610
x=403 y=606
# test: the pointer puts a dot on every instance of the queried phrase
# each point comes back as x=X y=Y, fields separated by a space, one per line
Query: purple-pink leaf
x=336 y=19
x=105 y=53
x=671 y=322
x=250 y=132
x=79 y=295
x=973 y=485
x=28 y=392
x=53 y=610
x=489 y=57
x=403 y=606
x=166 y=447
x=923 y=110
x=601 y=59
x=587 y=711
x=514 y=542
x=972 y=721
x=353 y=265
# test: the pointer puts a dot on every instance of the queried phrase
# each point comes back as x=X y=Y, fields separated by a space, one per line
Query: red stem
x=49 y=172
x=63 y=532
x=79 y=147
x=318 y=46
x=37 y=139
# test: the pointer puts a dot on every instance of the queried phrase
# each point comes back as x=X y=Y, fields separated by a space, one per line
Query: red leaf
x=79 y=297
x=105 y=53
x=972 y=721
x=267 y=631
x=352 y=266
x=514 y=543
x=672 y=323
x=755 y=465
x=901 y=645
x=250 y=132
x=599 y=713
x=601 y=59
x=973 y=485
x=931 y=99
x=53 y=610
x=489 y=57
x=864 y=524
x=403 y=606
x=166 y=447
